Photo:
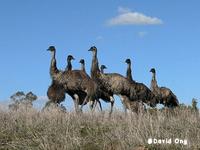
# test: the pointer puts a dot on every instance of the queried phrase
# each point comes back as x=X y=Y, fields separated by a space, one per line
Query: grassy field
x=56 y=130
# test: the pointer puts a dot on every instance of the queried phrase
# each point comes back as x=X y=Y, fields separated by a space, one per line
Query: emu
x=55 y=92
x=165 y=95
x=144 y=94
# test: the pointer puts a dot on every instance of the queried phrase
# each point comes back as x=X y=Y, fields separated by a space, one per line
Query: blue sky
x=160 y=34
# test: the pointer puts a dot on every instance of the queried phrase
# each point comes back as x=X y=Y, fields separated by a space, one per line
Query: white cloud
x=128 y=17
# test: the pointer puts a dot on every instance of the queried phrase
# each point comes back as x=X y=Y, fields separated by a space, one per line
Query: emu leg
x=99 y=104
x=95 y=104
x=92 y=105
x=76 y=100
x=111 y=109
x=123 y=102
x=112 y=104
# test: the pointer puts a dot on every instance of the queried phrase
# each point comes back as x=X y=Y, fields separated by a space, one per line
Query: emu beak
x=48 y=49
x=90 y=49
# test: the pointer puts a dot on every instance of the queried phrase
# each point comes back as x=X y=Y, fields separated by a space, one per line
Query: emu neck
x=95 y=65
x=83 y=67
x=53 y=54
x=69 y=65
x=154 y=85
x=154 y=76
x=129 y=73
x=95 y=54
x=53 y=66
x=102 y=70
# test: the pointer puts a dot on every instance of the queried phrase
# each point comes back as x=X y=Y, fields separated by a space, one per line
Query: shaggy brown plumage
x=165 y=95
x=56 y=93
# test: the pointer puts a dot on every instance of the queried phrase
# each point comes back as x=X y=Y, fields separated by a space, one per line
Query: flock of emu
x=85 y=89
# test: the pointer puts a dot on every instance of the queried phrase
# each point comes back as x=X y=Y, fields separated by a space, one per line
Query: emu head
x=51 y=48
x=128 y=61
x=103 y=67
x=70 y=57
x=82 y=61
x=153 y=70
x=93 y=49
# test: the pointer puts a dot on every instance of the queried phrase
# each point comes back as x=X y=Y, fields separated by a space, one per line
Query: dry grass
x=56 y=130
